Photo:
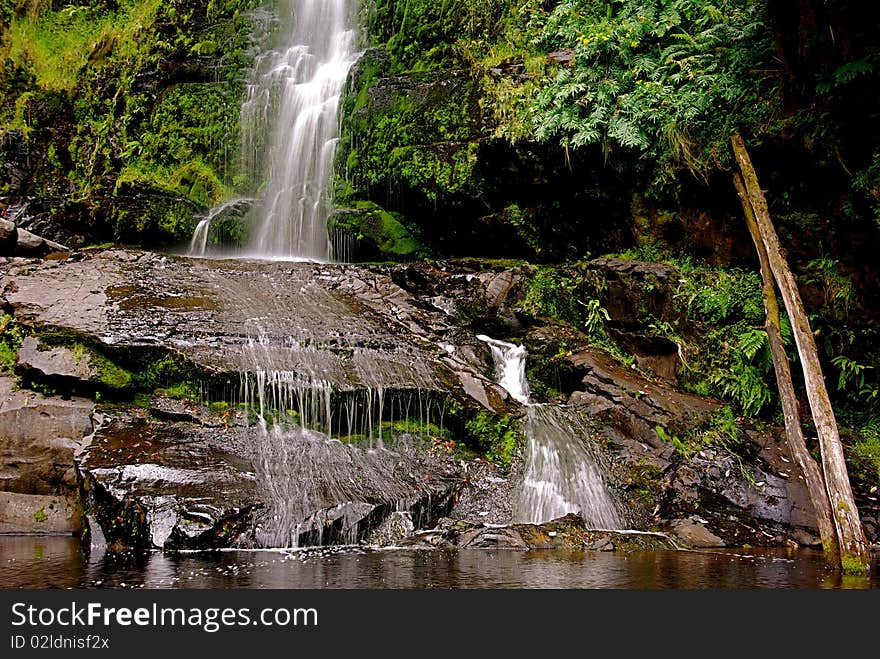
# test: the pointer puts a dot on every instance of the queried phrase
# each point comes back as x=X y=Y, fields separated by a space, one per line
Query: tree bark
x=793 y=434
x=854 y=553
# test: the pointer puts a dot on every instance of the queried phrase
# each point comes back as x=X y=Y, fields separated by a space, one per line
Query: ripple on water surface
x=57 y=562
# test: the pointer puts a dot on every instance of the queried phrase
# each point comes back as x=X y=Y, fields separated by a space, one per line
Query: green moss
x=423 y=135
x=497 y=437
x=148 y=141
x=11 y=336
x=181 y=391
x=384 y=232
x=853 y=566
x=109 y=374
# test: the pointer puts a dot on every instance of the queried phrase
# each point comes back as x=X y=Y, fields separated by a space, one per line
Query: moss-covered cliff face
x=436 y=130
x=119 y=120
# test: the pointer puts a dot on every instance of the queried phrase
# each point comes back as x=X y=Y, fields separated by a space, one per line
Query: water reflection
x=38 y=562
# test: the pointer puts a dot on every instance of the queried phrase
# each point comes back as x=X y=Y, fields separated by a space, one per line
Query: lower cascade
x=561 y=472
x=337 y=439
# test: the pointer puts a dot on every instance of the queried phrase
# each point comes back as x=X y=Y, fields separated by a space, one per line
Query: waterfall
x=561 y=472
x=510 y=367
x=198 y=245
x=335 y=425
x=290 y=129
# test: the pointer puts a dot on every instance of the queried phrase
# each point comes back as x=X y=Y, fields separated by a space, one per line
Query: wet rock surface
x=176 y=475
x=347 y=325
x=569 y=532
x=176 y=485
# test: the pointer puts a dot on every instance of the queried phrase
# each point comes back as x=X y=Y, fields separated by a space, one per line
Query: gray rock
x=39 y=437
x=29 y=244
x=39 y=513
x=695 y=534
x=58 y=361
x=152 y=484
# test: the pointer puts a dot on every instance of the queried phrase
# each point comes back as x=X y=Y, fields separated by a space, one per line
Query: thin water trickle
x=510 y=367
x=561 y=464
x=198 y=245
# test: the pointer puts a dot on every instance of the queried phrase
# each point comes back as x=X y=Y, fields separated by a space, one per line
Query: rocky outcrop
x=153 y=484
x=176 y=474
x=15 y=241
x=752 y=496
x=569 y=532
x=39 y=437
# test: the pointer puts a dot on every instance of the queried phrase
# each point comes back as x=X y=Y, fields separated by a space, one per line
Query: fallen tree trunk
x=793 y=434
x=854 y=552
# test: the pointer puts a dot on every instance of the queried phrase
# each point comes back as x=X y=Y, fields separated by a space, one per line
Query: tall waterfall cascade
x=561 y=471
x=290 y=130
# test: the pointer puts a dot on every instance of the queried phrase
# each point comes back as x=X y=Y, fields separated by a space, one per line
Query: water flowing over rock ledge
x=171 y=473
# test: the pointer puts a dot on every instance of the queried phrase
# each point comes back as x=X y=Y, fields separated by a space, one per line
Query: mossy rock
x=377 y=234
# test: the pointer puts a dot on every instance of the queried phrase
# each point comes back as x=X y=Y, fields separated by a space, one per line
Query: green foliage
x=721 y=428
x=497 y=437
x=864 y=456
x=670 y=80
x=109 y=374
x=11 y=336
x=866 y=184
x=58 y=45
x=102 y=92
x=595 y=318
x=384 y=231
x=424 y=136
x=422 y=34
x=730 y=355
x=717 y=295
x=550 y=294
x=837 y=289
x=168 y=372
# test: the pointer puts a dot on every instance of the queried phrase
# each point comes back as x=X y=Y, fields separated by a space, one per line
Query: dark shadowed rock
x=635 y=405
x=8 y=237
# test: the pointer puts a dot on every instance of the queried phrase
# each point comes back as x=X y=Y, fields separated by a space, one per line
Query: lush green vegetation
x=127 y=111
x=668 y=80
x=515 y=128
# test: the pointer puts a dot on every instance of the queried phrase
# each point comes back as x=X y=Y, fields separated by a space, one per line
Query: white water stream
x=561 y=466
x=290 y=129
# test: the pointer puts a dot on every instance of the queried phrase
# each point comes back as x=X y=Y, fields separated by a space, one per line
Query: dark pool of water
x=53 y=562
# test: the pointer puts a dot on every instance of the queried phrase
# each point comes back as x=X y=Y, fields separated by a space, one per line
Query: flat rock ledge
x=569 y=532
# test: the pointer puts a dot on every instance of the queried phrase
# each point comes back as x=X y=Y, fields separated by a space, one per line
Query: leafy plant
x=11 y=336
x=596 y=317
x=838 y=289
x=669 y=80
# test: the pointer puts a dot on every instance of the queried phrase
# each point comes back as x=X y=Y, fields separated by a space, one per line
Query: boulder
x=693 y=533
x=39 y=436
x=39 y=514
x=158 y=484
